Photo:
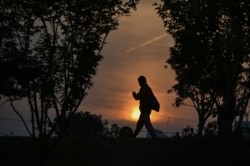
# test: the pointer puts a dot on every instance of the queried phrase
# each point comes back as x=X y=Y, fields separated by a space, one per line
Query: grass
x=16 y=151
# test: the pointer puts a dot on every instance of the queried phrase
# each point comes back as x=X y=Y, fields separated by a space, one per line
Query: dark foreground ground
x=18 y=151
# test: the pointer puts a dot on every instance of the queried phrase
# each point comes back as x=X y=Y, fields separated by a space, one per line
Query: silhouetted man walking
x=144 y=96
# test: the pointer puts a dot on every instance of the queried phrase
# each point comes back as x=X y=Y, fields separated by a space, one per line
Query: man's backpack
x=154 y=104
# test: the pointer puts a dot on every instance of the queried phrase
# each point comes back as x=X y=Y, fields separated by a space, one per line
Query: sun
x=135 y=114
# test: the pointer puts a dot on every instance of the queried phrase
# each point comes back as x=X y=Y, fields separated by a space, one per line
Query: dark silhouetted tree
x=115 y=130
x=188 y=131
x=211 y=129
x=85 y=124
x=210 y=55
x=64 y=39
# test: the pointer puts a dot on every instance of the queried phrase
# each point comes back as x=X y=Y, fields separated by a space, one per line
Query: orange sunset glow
x=140 y=46
x=135 y=113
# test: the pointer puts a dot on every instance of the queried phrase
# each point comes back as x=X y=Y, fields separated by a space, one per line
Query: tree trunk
x=226 y=116
x=201 y=125
x=225 y=122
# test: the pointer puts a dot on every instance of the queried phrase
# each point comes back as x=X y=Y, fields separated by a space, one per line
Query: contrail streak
x=131 y=49
x=152 y=40
x=143 y=44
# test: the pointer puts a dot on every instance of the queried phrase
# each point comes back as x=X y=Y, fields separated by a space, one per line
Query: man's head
x=142 y=80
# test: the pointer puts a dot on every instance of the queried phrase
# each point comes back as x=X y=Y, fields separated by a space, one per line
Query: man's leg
x=149 y=126
x=139 y=125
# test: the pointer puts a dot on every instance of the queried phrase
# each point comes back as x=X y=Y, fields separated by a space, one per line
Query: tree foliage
x=85 y=124
x=64 y=40
x=210 y=56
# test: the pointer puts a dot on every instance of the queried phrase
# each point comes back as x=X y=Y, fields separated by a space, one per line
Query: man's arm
x=136 y=95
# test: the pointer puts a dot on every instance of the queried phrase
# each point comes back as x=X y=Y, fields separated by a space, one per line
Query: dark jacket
x=144 y=96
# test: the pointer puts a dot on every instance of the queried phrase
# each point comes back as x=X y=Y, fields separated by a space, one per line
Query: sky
x=140 y=46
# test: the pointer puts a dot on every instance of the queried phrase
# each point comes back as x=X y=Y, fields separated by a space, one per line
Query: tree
x=115 y=130
x=85 y=124
x=64 y=40
x=202 y=100
x=211 y=129
x=188 y=131
x=209 y=56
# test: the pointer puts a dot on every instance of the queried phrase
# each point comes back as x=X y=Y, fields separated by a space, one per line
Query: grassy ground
x=16 y=151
